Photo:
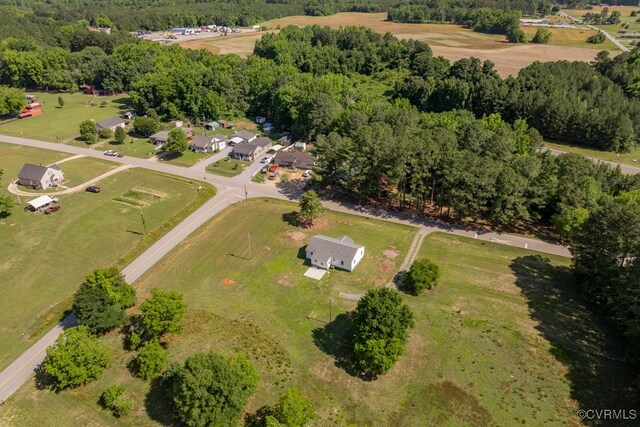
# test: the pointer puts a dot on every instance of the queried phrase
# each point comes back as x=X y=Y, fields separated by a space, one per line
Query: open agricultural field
x=62 y=123
x=494 y=343
x=625 y=11
x=43 y=258
x=451 y=41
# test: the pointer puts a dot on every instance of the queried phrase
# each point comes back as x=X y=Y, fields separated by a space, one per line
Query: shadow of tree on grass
x=335 y=339
x=598 y=374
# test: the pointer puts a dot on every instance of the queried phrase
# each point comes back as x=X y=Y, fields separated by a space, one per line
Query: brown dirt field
x=450 y=41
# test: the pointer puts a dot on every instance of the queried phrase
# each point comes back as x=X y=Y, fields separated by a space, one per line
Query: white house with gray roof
x=326 y=252
x=112 y=123
x=40 y=177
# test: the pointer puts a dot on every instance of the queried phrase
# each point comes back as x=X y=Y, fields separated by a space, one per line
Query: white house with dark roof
x=326 y=252
x=251 y=150
x=40 y=177
x=243 y=136
x=208 y=144
x=112 y=123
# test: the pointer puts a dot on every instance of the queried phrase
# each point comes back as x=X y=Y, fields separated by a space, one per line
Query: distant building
x=294 y=159
x=40 y=177
x=31 y=110
x=112 y=123
x=326 y=252
x=208 y=144
x=161 y=138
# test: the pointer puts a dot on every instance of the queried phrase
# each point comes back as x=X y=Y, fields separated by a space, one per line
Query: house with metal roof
x=326 y=252
x=40 y=177
x=112 y=123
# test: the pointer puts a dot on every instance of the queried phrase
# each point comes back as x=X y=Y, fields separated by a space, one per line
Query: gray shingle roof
x=32 y=172
x=341 y=248
x=244 y=135
x=201 y=141
x=294 y=157
x=263 y=141
x=245 y=149
x=111 y=121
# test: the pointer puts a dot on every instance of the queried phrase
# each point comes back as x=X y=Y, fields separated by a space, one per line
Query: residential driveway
x=13 y=188
x=315 y=273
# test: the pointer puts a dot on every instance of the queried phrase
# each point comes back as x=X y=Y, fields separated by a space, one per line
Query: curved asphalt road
x=229 y=191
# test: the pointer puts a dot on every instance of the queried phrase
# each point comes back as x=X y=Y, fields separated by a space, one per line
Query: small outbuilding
x=326 y=252
x=39 y=203
x=212 y=126
x=40 y=177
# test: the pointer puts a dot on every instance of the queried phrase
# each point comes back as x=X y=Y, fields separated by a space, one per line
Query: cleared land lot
x=62 y=123
x=451 y=41
x=493 y=344
x=44 y=258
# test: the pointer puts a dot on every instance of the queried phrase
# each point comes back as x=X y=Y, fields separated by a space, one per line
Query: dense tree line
x=624 y=69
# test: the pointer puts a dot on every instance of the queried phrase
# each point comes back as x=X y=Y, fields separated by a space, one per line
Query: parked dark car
x=51 y=209
x=93 y=189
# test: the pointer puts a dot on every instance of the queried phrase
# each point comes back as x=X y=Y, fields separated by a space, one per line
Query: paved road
x=628 y=169
x=229 y=191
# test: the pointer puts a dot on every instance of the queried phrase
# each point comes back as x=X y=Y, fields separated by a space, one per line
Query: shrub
x=151 y=360
x=115 y=399
x=423 y=274
x=105 y=133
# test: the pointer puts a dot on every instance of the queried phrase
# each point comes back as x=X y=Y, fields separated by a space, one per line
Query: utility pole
x=15 y=187
x=144 y=223
x=246 y=195
x=330 y=301
x=249 y=237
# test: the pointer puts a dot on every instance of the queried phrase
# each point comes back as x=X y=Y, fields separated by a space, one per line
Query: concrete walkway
x=13 y=189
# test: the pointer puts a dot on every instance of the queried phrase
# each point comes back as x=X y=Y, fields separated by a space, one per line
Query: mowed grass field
x=43 y=258
x=493 y=344
x=451 y=41
x=62 y=123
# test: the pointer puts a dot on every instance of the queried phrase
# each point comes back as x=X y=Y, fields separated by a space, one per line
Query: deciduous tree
x=151 y=360
x=162 y=313
x=76 y=359
x=310 y=207
x=211 y=390
x=177 y=142
x=88 y=131
x=423 y=274
x=381 y=322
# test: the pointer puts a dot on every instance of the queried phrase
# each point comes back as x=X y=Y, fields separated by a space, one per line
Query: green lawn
x=44 y=258
x=186 y=159
x=631 y=158
x=503 y=340
x=227 y=167
x=62 y=123
x=134 y=147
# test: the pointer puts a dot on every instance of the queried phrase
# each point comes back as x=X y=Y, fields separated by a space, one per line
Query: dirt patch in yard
x=385 y=265
x=320 y=224
x=297 y=236
x=390 y=253
x=228 y=281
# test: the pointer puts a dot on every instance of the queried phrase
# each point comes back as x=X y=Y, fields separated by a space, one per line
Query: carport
x=39 y=202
